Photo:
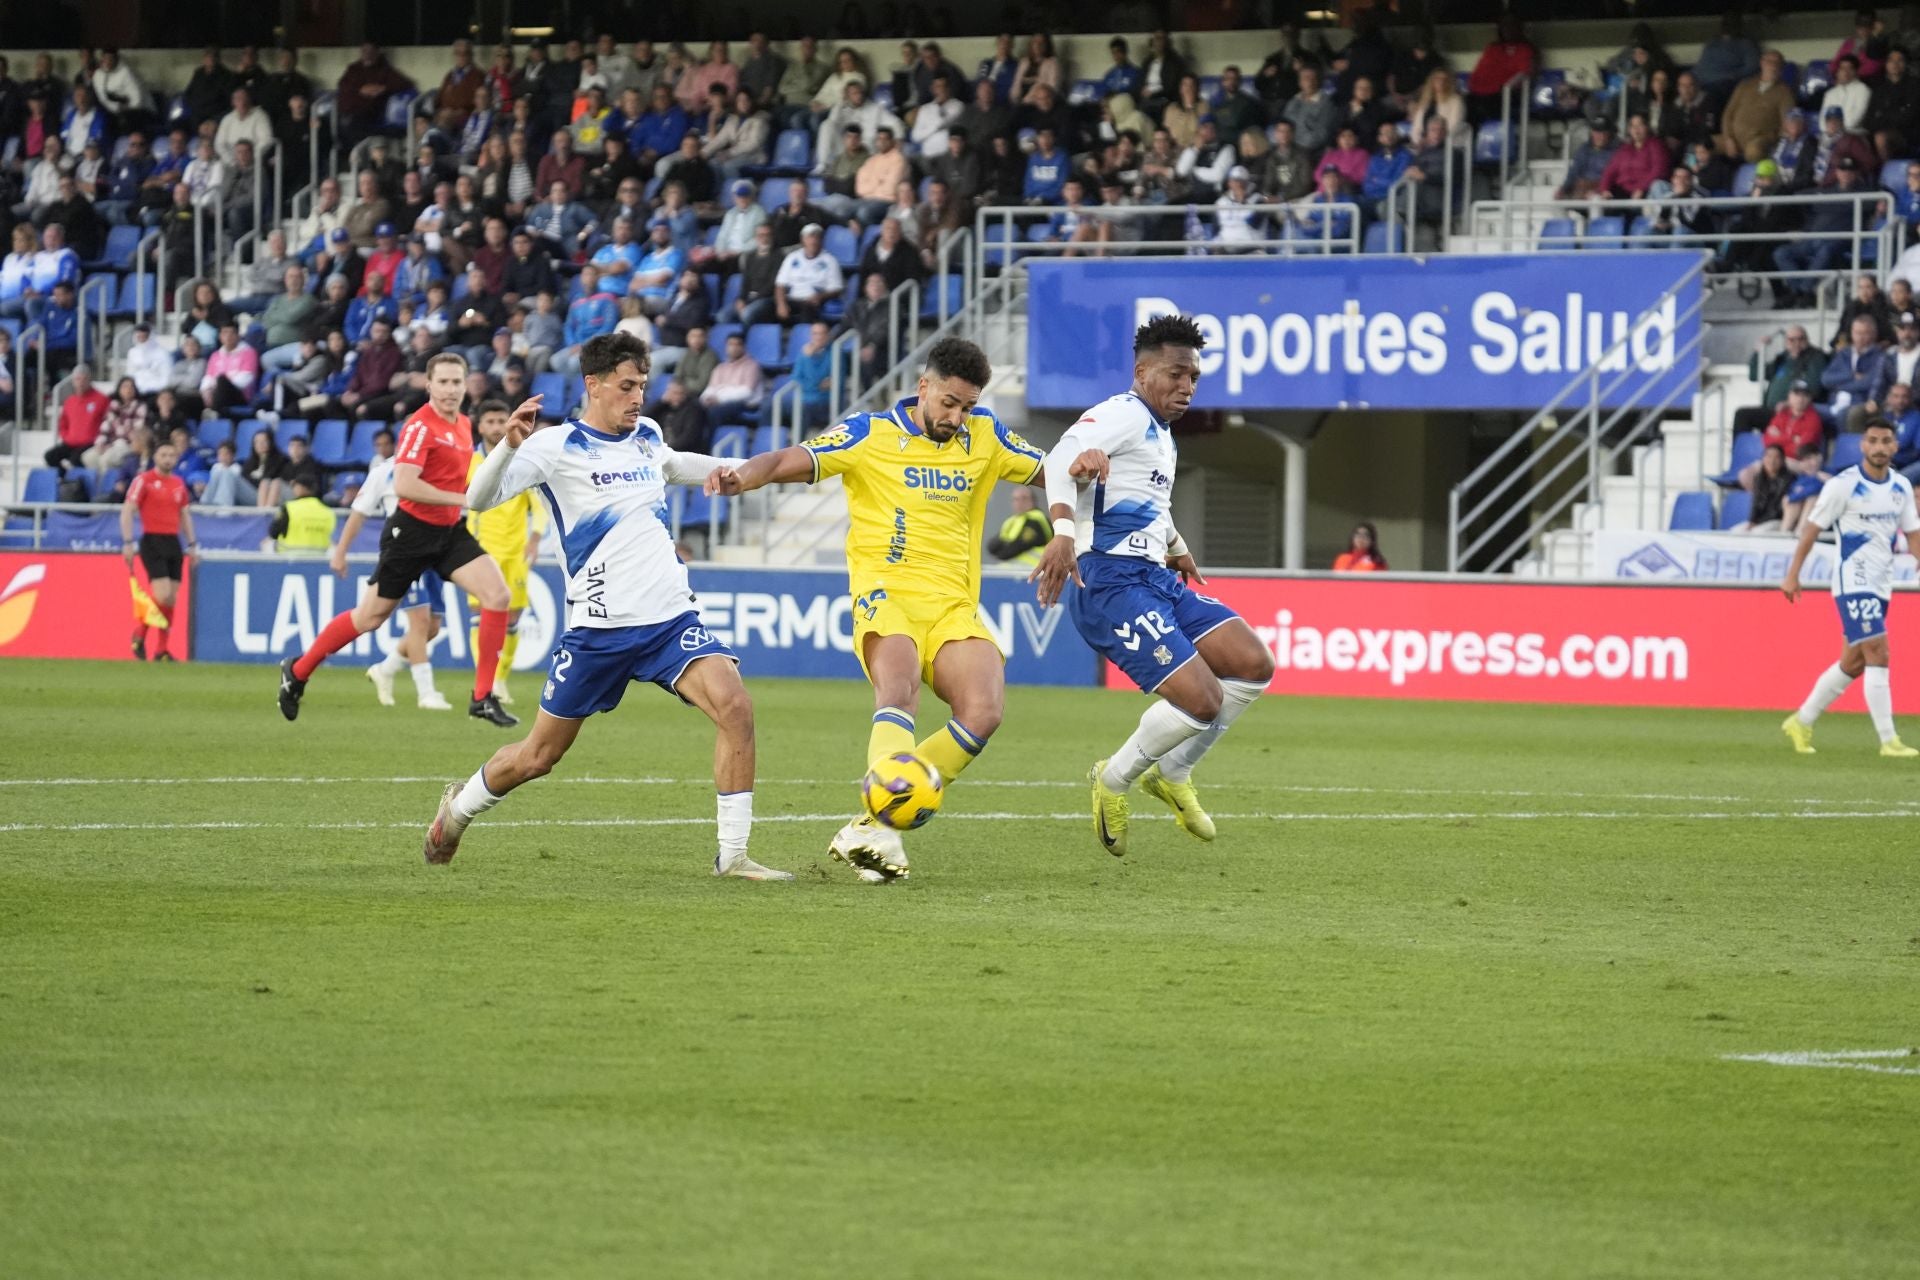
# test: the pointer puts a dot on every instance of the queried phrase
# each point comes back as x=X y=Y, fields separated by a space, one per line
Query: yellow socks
x=892 y=733
x=950 y=750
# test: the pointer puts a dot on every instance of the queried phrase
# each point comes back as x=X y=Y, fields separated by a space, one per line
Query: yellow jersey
x=917 y=509
x=502 y=530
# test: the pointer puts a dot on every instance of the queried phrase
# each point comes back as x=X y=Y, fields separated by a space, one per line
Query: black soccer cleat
x=140 y=645
x=291 y=687
x=163 y=656
x=490 y=710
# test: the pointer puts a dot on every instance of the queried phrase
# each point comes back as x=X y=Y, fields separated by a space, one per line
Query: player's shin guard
x=486 y=654
x=1832 y=683
x=951 y=750
x=474 y=799
x=1235 y=696
x=1162 y=728
x=735 y=823
x=892 y=734
x=1879 y=691
x=333 y=637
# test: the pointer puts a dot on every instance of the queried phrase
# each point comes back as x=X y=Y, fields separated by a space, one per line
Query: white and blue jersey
x=1133 y=610
x=630 y=610
x=377 y=501
x=1867 y=516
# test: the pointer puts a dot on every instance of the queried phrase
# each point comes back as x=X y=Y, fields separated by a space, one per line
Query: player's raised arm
x=791 y=465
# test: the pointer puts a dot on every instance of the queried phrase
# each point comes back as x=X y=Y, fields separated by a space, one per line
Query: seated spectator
x=320 y=373
x=1836 y=144
x=233 y=372
x=1769 y=484
x=879 y=176
x=1868 y=44
x=1363 y=551
x=16 y=273
x=717 y=69
x=561 y=165
x=120 y=92
x=687 y=309
x=1240 y=227
x=1755 y=114
x=659 y=131
x=1235 y=111
x=1636 y=165
x=593 y=313
x=114 y=483
x=1318 y=216
x=683 y=419
x=813 y=370
x=1693 y=119
x=691 y=170
x=1314 y=116
x=680 y=217
x=542 y=328
x=1364 y=111
x=807 y=280
x=1728 y=58
x=985 y=118
x=371 y=382
x=245 y=123
x=1039 y=68
x=478 y=127
x=1385 y=166
x=60 y=318
x=1347 y=158
x=759 y=268
x=1440 y=96
x=1848 y=93
x=1827 y=228
x=745 y=139
x=1850 y=376
x=737 y=227
x=738 y=382
x=1795 y=154
x=1762 y=215
x=372 y=305
x=562 y=224
x=188 y=368
x=119 y=197
x=264 y=469
x=369 y=210
x=363 y=92
x=1801 y=361
x=83 y=121
x=126 y=412
x=1589 y=163
x=696 y=362
x=1182 y=116
x=1867 y=300
x=1046 y=171
x=1203 y=167
x=82 y=416
x=868 y=316
x=301 y=464
x=652 y=279
x=856 y=111
x=935 y=119
x=225 y=485
x=619 y=256
x=1893 y=108
x=800 y=80
x=1903 y=362
x=1161 y=72
x=1796 y=430
x=528 y=272
x=898 y=262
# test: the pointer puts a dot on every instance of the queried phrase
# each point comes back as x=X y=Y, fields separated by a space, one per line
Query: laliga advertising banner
x=57 y=604
x=1662 y=556
x=1453 y=332
x=1631 y=646
x=796 y=622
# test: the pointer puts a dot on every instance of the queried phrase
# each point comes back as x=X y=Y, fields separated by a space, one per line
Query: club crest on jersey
x=695 y=638
x=869 y=604
x=1163 y=655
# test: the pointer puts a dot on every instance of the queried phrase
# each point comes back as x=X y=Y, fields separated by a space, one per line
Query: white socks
x=474 y=798
x=1162 y=728
x=1880 y=702
x=1235 y=696
x=422 y=678
x=736 y=822
x=1832 y=683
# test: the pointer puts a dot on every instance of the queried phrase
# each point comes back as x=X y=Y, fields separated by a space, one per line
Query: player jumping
x=1135 y=607
x=918 y=478
x=630 y=612
x=427 y=534
x=510 y=533
x=1870 y=505
x=162 y=499
x=423 y=609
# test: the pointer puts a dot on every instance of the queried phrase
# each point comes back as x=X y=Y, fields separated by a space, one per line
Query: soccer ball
x=902 y=791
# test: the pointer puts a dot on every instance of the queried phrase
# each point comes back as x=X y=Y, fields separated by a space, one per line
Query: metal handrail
x=1313 y=218
x=235 y=262
x=1391 y=215
x=101 y=288
x=909 y=289
x=153 y=238
x=843 y=353
x=21 y=344
x=1457 y=522
x=1509 y=165
x=958 y=241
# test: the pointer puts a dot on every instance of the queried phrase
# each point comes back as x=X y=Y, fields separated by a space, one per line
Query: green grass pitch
x=1453 y=995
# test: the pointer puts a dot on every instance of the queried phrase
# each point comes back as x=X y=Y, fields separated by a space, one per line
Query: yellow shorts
x=516 y=571
x=931 y=623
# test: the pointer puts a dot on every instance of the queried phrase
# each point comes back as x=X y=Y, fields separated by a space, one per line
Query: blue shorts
x=590 y=669
x=1862 y=616
x=428 y=589
x=1140 y=616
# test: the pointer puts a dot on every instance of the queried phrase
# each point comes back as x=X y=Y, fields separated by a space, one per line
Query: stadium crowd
x=536 y=197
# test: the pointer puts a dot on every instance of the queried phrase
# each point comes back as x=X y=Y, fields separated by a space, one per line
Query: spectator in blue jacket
x=1851 y=374
x=660 y=266
x=1122 y=76
x=125 y=178
x=1390 y=160
x=659 y=131
x=1903 y=360
x=1311 y=216
x=560 y=224
x=618 y=258
x=813 y=370
x=1046 y=171
x=61 y=320
x=596 y=312
x=1906 y=202
x=372 y=305
x=83 y=121
x=1589 y=162
x=55 y=264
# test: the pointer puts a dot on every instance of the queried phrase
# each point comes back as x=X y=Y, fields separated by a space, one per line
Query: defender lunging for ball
x=630 y=611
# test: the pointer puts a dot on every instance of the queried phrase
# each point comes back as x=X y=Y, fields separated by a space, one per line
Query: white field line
x=1549 y=815
x=1837 y=1059
x=972 y=783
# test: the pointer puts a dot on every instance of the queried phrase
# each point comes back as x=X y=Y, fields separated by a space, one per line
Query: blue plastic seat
x=1815 y=83
x=952 y=285
x=1642 y=232
x=840 y=244
x=773 y=195
x=1083 y=92
x=211 y=433
x=359 y=449
x=1735 y=508
x=731 y=442
x=43 y=485
x=117 y=253
x=1490 y=145
x=1747 y=448
x=1606 y=233
x=1558 y=233
x=1692 y=511
x=137 y=295
x=1846 y=452
x=793 y=149
x=1382 y=238
x=763 y=344
x=1743 y=180
x=1893 y=175
x=288 y=428
x=330 y=442
x=730 y=293
x=552 y=390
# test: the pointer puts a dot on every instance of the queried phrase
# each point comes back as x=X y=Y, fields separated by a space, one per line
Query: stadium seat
x=43 y=485
x=16 y=534
x=763 y=344
x=458 y=293
x=840 y=244
x=359 y=451
x=1692 y=511
x=883 y=94
x=1382 y=238
x=1815 y=83
x=712 y=282
x=793 y=151
x=1743 y=180
x=1893 y=175
x=1559 y=233
x=284 y=433
x=1747 y=448
x=211 y=433
x=995 y=240
x=797 y=339
x=1642 y=233
x=717 y=335
x=731 y=442
x=1605 y=233
x=762 y=441
x=730 y=294
x=137 y=295
x=13 y=325
x=117 y=253
x=868 y=237
x=1083 y=93
x=1489 y=145
x=399 y=109
x=1846 y=452
x=552 y=390
x=773 y=194
x=330 y=443
x=952 y=285
x=1735 y=508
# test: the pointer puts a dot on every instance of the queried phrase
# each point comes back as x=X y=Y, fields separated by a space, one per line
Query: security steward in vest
x=1024 y=534
x=304 y=524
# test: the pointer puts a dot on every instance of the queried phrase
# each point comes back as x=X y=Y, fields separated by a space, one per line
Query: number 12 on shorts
x=1151 y=622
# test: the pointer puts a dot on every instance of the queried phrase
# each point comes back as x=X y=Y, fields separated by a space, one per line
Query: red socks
x=334 y=637
x=486 y=659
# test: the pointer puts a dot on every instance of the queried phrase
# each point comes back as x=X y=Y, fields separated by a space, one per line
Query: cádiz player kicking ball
x=918 y=478
x=1135 y=606
x=630 y=611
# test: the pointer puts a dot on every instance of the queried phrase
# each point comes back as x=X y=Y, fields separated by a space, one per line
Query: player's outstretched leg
x=1190 y=701
x=970 y=677
x=532 y=757
x=713 y=685
x=342 y=631
x=1244 y=667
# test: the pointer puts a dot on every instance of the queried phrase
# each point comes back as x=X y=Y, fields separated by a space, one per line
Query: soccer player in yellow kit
x=510 y=533
x=917 y=478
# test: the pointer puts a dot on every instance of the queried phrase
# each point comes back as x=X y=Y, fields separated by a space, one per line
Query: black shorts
x=161 y=554
x=409 y=547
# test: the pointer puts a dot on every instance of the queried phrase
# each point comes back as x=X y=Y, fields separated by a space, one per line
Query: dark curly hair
x=602 y=355
x=958 y=358
x=1168 y=331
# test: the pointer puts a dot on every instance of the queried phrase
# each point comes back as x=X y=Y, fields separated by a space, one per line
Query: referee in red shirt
x=161 y=498
x=427 y=533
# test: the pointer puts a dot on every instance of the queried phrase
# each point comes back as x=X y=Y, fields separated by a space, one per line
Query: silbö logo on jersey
x=938 y=484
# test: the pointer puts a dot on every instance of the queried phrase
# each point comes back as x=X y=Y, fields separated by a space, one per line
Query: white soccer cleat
x=382 y=683
x=435 y=701
x=745 y=868
x=500 y=692
x=876 y=853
